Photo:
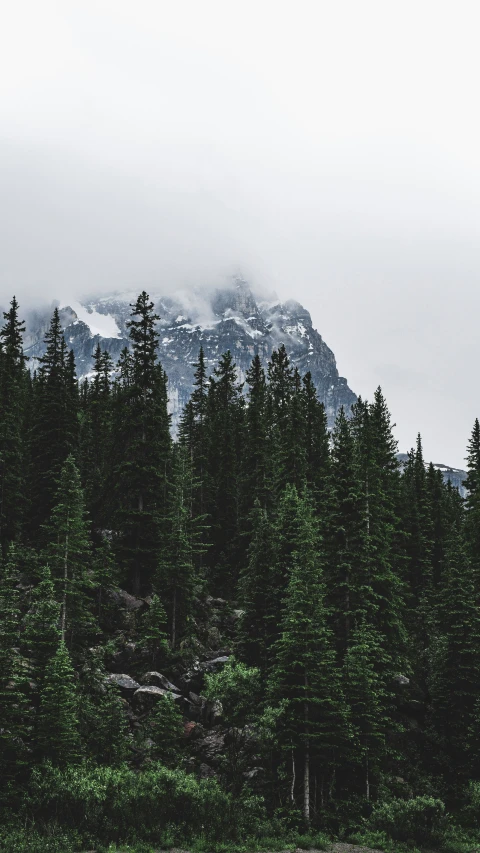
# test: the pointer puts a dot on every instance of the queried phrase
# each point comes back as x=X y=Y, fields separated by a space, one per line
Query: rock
x=206 y=772
x=151 y=690
x=212 y=712
x=197 y=700
x=214 y=665
x=240 y=321
x=125 y=682
x=123 y=599
x=159 y=680
x=215 y=602
x=211 y=745
x=401 y=680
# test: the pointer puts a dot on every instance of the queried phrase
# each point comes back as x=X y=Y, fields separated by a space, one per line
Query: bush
x=117 y=804
x=19 y=840
x=421 y=820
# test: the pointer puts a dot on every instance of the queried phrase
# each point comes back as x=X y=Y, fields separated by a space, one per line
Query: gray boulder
x=125 y=682
x=159 y=680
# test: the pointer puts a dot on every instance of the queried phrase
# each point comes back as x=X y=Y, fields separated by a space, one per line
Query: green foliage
x=350 y=596
x=58 y=732
x=68 y=554
x=112 y=804
x=238 y=689
x=421 y=820
x=164 y=727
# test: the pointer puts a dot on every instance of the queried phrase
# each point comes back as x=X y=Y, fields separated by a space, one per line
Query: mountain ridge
x=231 y=318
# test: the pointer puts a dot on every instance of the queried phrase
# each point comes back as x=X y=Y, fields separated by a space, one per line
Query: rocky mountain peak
x=230 y=319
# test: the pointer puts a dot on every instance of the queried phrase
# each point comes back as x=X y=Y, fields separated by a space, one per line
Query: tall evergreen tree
x=305 y=674
x=15 y=717
x=58 y=726
x=13 y=389
x=142 y=450
x=55 y=427
x=68 y=553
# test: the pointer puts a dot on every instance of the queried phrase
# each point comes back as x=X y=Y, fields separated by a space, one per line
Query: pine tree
x=225 y=411
x=58 y=727
x=254 y=457
x=143 y=445
x=177 y=576
x=153 y=631
x=316 y=446
x=41 y=632
x=305 y=672
x=254 y=590
x=68 y=553
x=346 y=538
x=454 y=679
x=472 y=521
x=13 y=388
x=96 y=440
x=164 y=727
x=15 y=716
x=102 y=719
x=369 y=702
x=55 y=427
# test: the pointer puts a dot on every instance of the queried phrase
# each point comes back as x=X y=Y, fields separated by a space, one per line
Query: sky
x=328 y=150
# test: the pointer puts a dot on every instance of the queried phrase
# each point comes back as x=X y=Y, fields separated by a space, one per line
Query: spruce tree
x=225 y=412
x=305 y=673
x=55 y=425
x=41 y=628
x=254 y=591
x=102 y=719
x=142 y=441
x=13 y=390
x=68 y=553
x=317 y=455
x=472 y=504
x=58 y=726
x=183 y=541
x=15 y=714
x=454 y=679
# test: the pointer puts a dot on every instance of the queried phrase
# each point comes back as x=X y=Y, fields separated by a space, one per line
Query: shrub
x=119 y=804
x=421 y=820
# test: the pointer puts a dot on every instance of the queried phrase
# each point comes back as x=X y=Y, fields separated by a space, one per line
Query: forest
x=254 y=634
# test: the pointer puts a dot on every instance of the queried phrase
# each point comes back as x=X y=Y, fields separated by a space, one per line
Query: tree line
x=355 y=584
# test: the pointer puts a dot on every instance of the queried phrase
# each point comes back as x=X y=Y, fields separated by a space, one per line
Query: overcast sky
x=330 y=150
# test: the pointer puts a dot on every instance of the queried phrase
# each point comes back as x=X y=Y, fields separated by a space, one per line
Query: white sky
x=331 y=150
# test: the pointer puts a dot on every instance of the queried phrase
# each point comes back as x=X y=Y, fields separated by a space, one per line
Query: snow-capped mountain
x=230 y=319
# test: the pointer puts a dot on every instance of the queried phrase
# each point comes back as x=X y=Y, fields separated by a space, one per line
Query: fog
x=329 y=151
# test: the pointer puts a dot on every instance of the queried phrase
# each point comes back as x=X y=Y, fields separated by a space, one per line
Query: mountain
x=455 y=476
x=232 y=318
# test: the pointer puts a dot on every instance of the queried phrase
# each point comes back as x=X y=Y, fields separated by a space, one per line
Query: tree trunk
x=65 y=586
x=367 y=779
x=306 y=769
x=292 y=787
x=306 y=785
x=174 y=618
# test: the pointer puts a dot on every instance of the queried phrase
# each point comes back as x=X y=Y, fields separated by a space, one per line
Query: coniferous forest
x=253 y=631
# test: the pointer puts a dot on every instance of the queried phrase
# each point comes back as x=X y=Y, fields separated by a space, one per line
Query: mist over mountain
x=231 y=317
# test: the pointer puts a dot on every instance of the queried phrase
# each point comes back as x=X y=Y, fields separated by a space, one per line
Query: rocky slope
x=232 y=318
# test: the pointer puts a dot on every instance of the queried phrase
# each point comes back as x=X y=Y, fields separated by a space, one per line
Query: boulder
x=214 y=665
x=159 y=680
x=123 y=599
x=125 y=682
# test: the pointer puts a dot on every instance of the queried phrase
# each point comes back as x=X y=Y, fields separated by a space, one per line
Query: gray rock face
x=232 y=319
x=125 y=682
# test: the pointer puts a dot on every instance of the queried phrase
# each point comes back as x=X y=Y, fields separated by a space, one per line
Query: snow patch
x=99 y=324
